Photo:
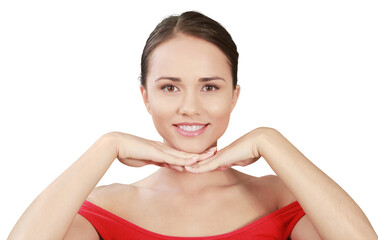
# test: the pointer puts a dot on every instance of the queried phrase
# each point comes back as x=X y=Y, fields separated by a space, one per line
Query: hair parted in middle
x=193 y=24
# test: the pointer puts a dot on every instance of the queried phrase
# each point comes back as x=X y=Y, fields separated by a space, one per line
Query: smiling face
x=189 y=93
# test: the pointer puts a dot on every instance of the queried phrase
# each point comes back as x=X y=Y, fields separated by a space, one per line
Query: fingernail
x=180 y=169
x=189 y=169
x=195 y=157
x=213 y=149
x=210 y=153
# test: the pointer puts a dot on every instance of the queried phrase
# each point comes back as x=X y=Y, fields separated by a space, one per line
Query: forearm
x=332 y=211
x=51 y=213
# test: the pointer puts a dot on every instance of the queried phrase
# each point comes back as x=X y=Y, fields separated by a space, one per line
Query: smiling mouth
x=190 y=130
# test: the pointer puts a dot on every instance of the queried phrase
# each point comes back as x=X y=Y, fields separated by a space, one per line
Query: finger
x=177 y=168
x=206 y=155
x=222 y=168
x=204 y=162
x=221 y=161
x=134 y=162
x=181 y=154
x=174 y=157
x=156 y=163
x=163 y=157
x=148 y=162
x=213 y=149
x=175 y=152
x=243 y=163
x=203 y=156
x=204 y=166
x=209 y=153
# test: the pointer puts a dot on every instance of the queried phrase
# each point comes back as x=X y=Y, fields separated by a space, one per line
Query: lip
x=191 y=133
x=190 y=124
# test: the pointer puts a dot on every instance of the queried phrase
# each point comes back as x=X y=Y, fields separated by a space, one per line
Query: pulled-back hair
x=194 y=24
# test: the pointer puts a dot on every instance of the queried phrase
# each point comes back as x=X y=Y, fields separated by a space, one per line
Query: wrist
x=264 y=137
x=109 y=143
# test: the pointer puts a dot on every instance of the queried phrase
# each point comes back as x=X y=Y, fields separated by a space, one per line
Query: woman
x=189 y=86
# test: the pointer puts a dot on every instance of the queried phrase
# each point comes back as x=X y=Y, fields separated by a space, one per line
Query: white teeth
x=192 y=128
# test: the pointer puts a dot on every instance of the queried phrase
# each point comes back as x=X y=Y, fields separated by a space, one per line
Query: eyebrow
x=175 y=79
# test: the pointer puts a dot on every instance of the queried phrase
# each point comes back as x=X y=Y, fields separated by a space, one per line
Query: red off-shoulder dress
x=276 y=225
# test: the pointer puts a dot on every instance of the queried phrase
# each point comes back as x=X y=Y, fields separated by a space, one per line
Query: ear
x=143 y=91
x=235 y=96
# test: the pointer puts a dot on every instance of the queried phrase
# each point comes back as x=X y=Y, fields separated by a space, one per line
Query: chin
x=194 y=150
x=193 y=147
x=190 y=145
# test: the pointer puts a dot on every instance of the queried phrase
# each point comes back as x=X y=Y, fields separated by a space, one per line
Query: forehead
x=188 y=57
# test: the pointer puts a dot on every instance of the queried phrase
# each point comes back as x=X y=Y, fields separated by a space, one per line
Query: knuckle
x=173 y=160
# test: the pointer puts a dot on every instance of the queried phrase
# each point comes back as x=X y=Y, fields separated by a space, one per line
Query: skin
x=189 y=59
x=194 y=180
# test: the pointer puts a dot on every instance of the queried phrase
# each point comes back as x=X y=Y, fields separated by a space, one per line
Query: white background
x=69 y=73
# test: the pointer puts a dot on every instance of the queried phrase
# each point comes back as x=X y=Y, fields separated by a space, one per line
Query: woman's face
x=189 y=93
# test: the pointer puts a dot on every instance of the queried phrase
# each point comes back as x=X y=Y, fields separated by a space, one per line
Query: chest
x=205 y=214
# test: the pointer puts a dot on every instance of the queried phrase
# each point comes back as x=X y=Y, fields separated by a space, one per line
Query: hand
x=242 y=152
x=137 y=152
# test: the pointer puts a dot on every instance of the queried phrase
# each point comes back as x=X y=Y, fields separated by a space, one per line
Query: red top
x=276 y=225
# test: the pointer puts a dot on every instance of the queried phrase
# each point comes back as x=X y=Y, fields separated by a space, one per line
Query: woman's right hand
x=137 y=152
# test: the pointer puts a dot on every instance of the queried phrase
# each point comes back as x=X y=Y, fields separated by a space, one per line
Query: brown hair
x=193 y=24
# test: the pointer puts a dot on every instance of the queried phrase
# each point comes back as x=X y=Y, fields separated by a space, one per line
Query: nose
x=190 y=105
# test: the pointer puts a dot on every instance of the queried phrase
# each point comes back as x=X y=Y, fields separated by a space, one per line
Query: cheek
x=220 y=113
x=161 y=109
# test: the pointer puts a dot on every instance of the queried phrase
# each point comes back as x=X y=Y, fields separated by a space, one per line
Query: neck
x=184 y=182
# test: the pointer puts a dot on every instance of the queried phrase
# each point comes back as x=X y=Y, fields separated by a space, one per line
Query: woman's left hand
x=242 y=152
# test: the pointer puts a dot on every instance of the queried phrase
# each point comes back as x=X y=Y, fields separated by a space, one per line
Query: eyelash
x=164 y=87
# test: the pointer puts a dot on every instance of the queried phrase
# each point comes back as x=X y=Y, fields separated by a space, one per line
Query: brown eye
x=210 y=88
x=169 y=88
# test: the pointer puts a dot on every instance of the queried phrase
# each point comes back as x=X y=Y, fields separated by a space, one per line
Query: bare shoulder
x=276 y=188
x=110 y=195
x=102 y=196
x=303 y=229
x=82 y=229
x=111 y=189
x=106 y=197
